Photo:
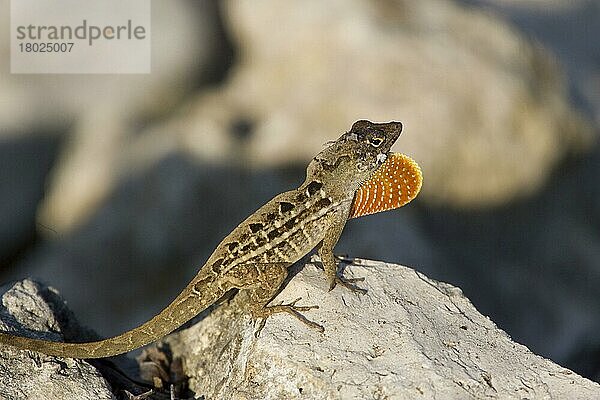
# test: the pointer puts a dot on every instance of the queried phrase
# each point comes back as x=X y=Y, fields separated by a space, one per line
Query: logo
x=69 y=36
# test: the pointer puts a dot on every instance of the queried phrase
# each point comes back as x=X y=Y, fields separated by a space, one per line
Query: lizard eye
x=376 y=141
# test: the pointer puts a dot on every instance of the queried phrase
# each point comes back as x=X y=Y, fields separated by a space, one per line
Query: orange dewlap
x=393 y=185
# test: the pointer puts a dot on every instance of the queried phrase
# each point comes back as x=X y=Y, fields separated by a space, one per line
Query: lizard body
x=255 y=256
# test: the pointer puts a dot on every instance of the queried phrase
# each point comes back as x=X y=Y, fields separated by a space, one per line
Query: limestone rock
x=409 y=337
x=28 y=308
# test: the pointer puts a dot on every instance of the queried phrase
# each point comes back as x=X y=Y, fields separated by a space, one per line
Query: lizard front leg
x=328 y=259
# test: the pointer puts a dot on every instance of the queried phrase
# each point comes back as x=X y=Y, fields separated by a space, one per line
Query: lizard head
x=356 y=155
x=371 y=142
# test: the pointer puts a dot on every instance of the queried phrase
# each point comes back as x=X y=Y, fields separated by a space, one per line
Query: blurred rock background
x=115 y=189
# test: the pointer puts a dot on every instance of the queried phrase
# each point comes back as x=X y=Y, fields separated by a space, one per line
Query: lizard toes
x=348 y=283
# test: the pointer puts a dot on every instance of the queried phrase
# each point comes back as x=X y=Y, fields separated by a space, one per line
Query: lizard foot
x=348 y=283
x=265 y=312
x=344 y=258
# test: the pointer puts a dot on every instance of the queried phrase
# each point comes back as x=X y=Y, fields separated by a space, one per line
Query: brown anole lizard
x=354 y=176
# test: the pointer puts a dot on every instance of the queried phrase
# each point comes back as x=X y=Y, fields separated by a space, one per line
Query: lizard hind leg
x=261 y=313
x=263 y=292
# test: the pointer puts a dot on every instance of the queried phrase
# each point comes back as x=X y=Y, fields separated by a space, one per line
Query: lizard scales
x=355 y=175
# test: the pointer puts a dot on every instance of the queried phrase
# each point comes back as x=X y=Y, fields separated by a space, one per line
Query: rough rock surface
x=409 y=337
x=29 y=309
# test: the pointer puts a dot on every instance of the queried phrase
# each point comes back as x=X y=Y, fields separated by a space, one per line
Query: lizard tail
x=185 y=307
